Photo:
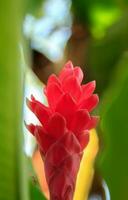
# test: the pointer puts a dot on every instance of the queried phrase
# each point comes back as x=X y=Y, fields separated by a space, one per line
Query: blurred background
x=36 y=38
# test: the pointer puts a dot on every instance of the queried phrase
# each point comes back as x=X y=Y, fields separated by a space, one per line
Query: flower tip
x=94 y=83
x=30 y=127
x=32 y=97
x=26 y=125
x=30 y=104
x=97 y=97
x=27 y=102
x=45 y=90
x=69 y=64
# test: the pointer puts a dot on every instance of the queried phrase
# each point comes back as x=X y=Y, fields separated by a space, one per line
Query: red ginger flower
x=64 y=130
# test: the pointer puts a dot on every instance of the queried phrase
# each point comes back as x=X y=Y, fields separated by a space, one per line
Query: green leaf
x=113 y=161
x=35 y=7
x=104 y=54
x=36 y=193
x=13 y=181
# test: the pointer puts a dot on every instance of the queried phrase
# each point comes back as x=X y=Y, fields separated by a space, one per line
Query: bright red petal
x=66 y=72
x=69 y=65
x=66 y=107
x=54 y=93
x=56 y=126
x=30 y=127
x=79 y=121
x=32 y=104
x=72 y=86
x=53 y=79
x=33 y=98
x=78 y=74
x=88 y=89
x=89 y=103
x=39 y=103
x=83 y=139
x=43 y=115
x=41 y=111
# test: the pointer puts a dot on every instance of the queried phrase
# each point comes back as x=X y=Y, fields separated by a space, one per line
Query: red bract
x=64 y=129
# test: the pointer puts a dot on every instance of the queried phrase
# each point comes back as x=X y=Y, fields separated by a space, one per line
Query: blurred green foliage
x=35 y=193
x=113 y=161
x=95 y=13
x=13 y=179
x=104 y=54
x=34 y=7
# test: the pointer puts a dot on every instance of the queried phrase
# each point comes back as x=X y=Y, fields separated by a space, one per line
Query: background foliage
x=13 y=179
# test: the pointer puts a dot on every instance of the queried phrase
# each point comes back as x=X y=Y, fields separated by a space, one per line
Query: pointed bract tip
x=26 y=125
x=94 y=83
x=45 y=90
x=32 y=97
x=27 y=102
x=97 y=97
x=69 y=64
x=30 y=127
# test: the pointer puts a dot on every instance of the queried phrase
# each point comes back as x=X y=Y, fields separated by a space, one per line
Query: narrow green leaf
x=13 y=183
x=113 y=161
